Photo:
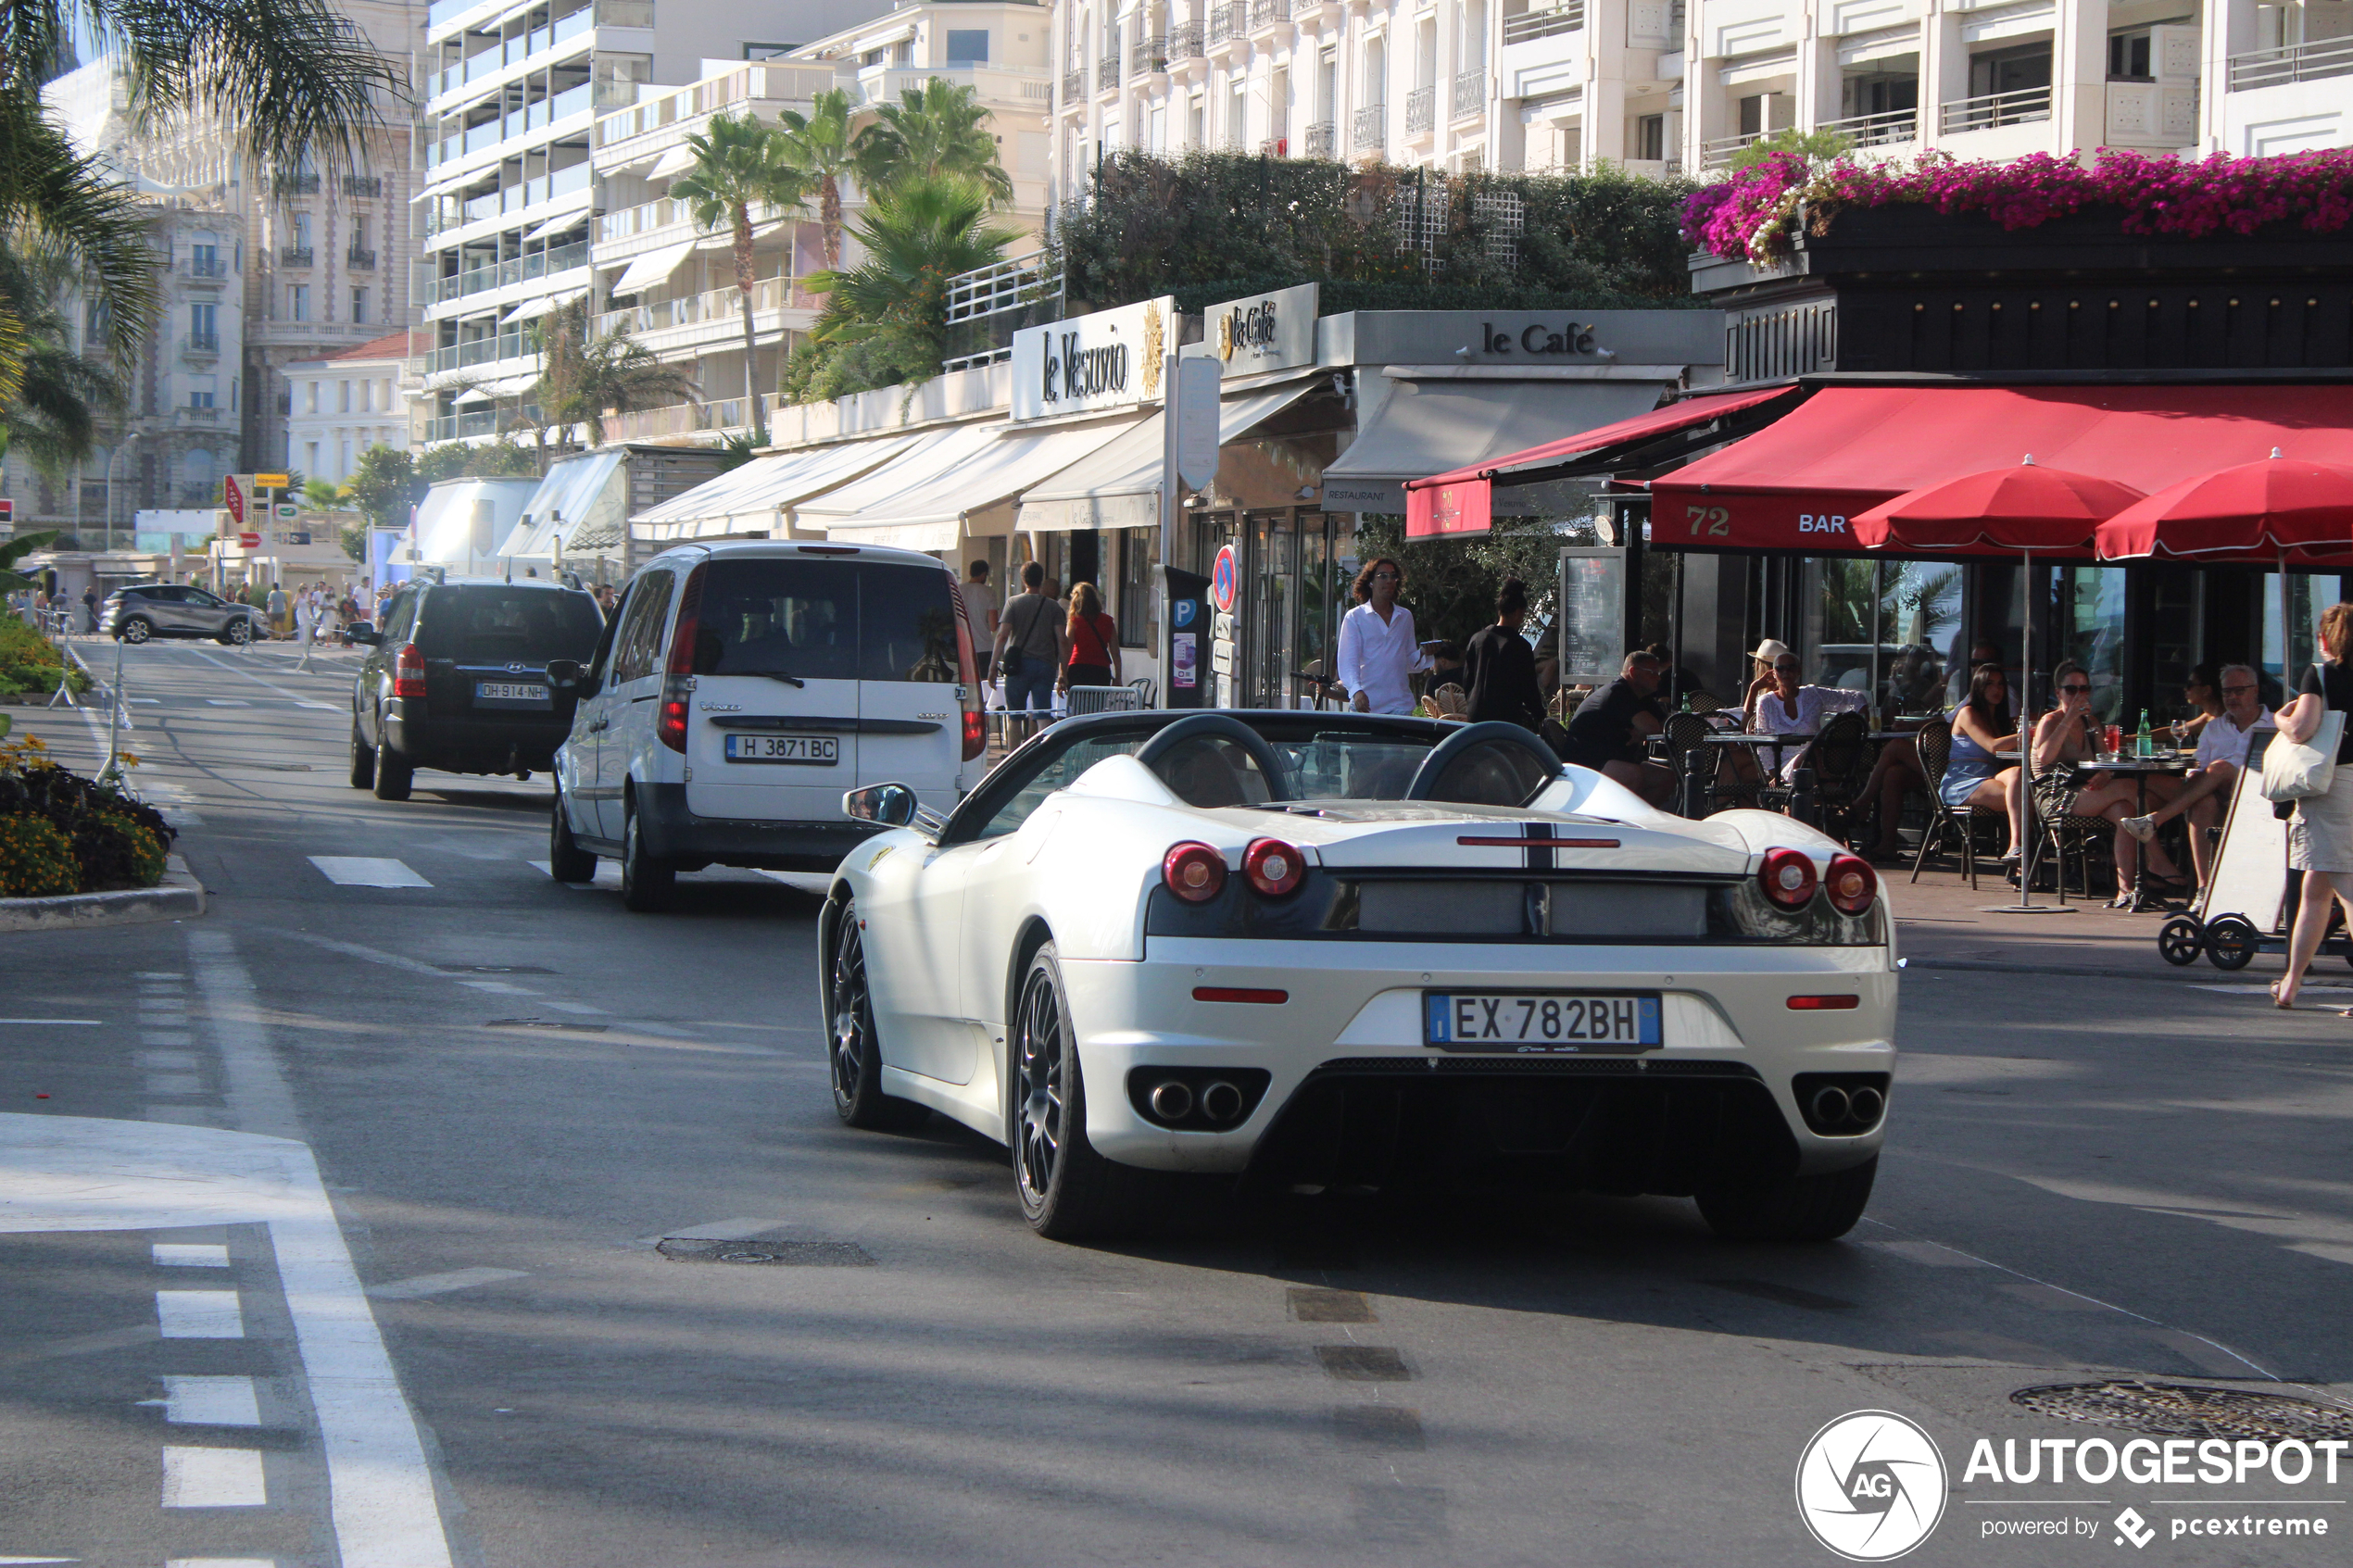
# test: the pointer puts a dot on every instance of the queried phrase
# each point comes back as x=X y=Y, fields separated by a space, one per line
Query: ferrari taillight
x=1788 y=878
x=1194 y=872
x=409 y=671
x=1274 y=867
x=1850 y=883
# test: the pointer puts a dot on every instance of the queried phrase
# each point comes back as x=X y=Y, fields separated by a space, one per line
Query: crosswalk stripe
x=228 y=702
x=210 y=1401
x=199 y=1315
x=213 y=1478
x=367 y=870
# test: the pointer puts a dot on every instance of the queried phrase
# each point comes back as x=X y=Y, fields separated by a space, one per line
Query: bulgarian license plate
x=811 y=751
x=510 y=694
x=1534 y=1022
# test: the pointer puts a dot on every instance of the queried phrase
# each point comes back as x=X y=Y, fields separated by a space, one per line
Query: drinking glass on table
x=2115 y=740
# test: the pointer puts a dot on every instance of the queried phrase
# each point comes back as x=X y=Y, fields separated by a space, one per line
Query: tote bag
x=2302 y=770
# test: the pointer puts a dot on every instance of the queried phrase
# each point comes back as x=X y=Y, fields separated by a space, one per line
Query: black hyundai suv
x=457 y=679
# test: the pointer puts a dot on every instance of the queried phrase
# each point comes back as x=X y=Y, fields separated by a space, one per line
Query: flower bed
x=60 y=833
x=28 y=661
x=1752 y=217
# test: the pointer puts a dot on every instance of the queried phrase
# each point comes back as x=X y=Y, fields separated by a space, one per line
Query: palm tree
x=820 y=149
x=51 y=415
x=736 y=167
x=918 y=233
x=934 y=130
x=587 y=378
x=287 y=79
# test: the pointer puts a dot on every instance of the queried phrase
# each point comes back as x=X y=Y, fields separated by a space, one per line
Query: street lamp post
x=120 y=447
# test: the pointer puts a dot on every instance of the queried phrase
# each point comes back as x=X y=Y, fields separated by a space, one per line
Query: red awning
x=1846 y=449
x=1458 y=501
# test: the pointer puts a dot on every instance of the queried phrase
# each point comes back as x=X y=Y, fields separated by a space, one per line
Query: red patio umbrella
x=2258 y=512
x=2026 y=509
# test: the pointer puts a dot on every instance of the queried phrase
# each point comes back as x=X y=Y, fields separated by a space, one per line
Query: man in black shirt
x=1499 y=667
x=1611 y=725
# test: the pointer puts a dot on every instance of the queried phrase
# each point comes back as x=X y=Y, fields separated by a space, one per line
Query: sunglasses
x=1384 y=577
x=1787 y=668
x=2230 y=691
x=2075 y=690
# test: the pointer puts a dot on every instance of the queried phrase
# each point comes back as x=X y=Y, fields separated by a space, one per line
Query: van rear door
x=772 y=732
x=910 y=707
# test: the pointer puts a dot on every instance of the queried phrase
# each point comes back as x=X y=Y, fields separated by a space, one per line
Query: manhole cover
x=546 y=1023
x=2177 y=1410
x=807 y=1254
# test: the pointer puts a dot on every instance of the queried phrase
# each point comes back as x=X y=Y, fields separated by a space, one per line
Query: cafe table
x=2139 y=769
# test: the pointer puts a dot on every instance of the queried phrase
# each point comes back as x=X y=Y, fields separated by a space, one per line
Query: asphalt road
x=514 y=1091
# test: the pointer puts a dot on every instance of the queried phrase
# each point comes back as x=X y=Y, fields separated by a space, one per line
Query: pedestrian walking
x=1029 y=646
x=90 y=609
x=1378 y=652
x=306 y=623
x=1500 y=668
x=2320 y=836
x=275 y=608
x=1092 y=639
x=980 y=604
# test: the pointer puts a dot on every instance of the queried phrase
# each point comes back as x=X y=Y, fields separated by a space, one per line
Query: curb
x=178 y=897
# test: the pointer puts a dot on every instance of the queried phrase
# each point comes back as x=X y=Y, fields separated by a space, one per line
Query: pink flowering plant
x=1752 y=217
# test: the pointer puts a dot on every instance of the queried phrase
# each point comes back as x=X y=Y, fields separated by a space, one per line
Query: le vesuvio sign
x=1094 y=364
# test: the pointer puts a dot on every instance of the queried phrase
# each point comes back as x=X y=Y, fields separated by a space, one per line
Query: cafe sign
x=1266 y=331
x=1093 y=364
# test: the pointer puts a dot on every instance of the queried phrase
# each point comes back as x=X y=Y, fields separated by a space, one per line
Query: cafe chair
x=2078 y=837
x=1935 y=743
x=1703 y=700
x=1688 y=732
x=1841 y=758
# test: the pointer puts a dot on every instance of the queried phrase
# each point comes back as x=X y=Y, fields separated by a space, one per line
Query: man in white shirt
x=1377 y=651
x=980 y=606
x=2222 y=756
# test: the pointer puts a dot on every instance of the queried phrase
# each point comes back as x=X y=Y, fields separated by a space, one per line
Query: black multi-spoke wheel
x=1067 y=1191
x=2181 y=940
x=852 y=1049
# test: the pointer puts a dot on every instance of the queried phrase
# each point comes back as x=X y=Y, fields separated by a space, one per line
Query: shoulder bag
x=1015 y=661
x=2301 y=769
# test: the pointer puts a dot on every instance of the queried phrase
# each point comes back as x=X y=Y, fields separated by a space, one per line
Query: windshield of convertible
x=1313 y=756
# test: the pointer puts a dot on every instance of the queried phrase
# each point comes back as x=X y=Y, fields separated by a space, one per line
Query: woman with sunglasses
x=2062 y=739
x=1780 y=704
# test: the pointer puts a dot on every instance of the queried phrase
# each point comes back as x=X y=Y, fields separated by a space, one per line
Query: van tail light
x=1850 y=883
x=1274 y=867
x=968 y=678
x=409 y=671
x=1788 y=877
x=678 y=674
x=1194 y=872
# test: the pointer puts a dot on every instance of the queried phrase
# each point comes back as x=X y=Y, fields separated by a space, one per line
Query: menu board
x=1592 y=614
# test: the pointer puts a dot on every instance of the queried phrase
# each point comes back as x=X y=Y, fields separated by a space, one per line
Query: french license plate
x=812 y=751
x=1553 y=1021
x=510 y=694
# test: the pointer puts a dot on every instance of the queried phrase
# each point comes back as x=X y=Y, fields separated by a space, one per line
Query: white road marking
x=367 y=870
x=497 y=988
x=200 y=1314
x=441 y=1285
x=175 y=976
x=223 y=1563
x=327 y=707
x=210 y=1401
x=577 y=1007
x=227 y=702
x=61 y=1023
x=169 y=1061
x=1934 y=1254
x=742 y=1229
x=174 y=1083
x=296 y=696
x=213 y=1478
x=191 y=1255
x=8 y=1560
x=156 y=701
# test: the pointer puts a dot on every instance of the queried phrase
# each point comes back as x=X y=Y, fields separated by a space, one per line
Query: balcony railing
x=1146 y=55
x=359 y=261
x=1230 y=20
x=1011 y=284
x=1470 y=93
x=1267 y=13
x=1879 y=130
x=205 y=267
x=516 y=50
x=2297 y=62
x=1322 y=140
x=1531 y=25
x=718 y=305
x=752 y=83
x=368 y=185
x=2023 y=106
x=678 y=418
x=201 y=345
x=662 y=213
x=484 y=350
x=296 y=256
x=201 y=414
x=484 y=422
x=1716 y=154
x=530 y=117
x=1107 y=73
x=298 y=184
x=1369 y=127
x=1421 y=111
x=1184 y=41
x=500 y=274
x=1073 y=84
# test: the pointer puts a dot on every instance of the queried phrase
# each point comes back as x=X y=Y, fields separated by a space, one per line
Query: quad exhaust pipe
x=1172 y=1099
x=1219 y=1103
x=1834 y=1110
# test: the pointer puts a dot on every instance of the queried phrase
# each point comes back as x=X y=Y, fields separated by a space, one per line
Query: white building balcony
x=1470 y=94
x=1421 y=113
x=666 y=221
x=657 y=123
x=1229 y=28
x=716 y=320
x=1026 y=88
x=1897 y=130
x=2288 y=99
x=1999 y=125
x=682 y=423
x=502 y=284
x=1368 y=130
x=1544 y=52
x=2151 y=114
x=458 y=158
x=534 y=202
x=482 y=73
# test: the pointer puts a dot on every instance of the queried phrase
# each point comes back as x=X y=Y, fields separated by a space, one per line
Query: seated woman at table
x=1778 y=705
x=2062 y=740
x=2203 y=692
x=1974 y=776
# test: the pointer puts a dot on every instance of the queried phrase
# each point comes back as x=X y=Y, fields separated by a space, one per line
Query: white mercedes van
x=740 y=689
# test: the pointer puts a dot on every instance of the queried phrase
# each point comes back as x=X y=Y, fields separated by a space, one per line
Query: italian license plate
x=811 y=751
x=1541 y=1021
x=510 y=694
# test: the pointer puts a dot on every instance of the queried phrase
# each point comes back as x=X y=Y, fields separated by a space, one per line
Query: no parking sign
x=1221 y=580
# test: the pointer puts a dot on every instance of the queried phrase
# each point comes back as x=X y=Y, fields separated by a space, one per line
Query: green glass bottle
x=2142 y=746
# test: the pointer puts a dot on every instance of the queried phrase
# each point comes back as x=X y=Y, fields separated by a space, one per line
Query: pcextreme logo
x=1870 y=1486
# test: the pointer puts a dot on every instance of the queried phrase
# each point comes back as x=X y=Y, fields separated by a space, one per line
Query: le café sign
x=1093 y=364
x=1265 y=332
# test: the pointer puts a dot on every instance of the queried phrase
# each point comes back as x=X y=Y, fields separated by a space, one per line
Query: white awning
x=510 y=386
x=472 y=394
x=558 y=225
x=931 y=492
x=1119 y=486
x=545 y=304
x=1426 y=426
x=756 y=498
x=656 y=266
x=563 y=501
x=724 y=238
x=677 y=160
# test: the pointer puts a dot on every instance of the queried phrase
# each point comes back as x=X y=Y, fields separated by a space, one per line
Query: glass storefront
x=1294 y=590
x=2308 y=595
x=1886 y=627
x=2093 y=603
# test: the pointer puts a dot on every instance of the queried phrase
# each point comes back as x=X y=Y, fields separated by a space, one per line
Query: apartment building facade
x=1662 y=86
x=347 y=402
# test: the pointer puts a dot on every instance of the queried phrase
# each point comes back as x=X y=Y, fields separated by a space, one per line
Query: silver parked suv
x=170 y=609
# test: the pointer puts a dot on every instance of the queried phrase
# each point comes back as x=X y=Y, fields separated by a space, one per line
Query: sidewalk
x=1940 y=923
